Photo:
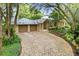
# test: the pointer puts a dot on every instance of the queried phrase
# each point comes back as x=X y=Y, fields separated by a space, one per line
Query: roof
x=25 y=21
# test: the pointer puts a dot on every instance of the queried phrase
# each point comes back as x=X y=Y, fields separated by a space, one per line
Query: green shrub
x=11 y=46
x=69 y=36
x=77 y=40
x=5 y=40
x=11 y=50
x=59 y=30
x=13 y=39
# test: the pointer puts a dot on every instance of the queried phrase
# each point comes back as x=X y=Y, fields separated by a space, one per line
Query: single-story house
x=27 y=25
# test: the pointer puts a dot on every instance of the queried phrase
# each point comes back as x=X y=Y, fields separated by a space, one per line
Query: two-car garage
x=27 y=28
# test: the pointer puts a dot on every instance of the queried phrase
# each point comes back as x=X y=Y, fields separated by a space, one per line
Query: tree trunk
x=7 y=20
x=0 y=23
x=15 y=20
x=0 y=28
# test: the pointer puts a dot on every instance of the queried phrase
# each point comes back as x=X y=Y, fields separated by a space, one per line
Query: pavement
x=44 y=44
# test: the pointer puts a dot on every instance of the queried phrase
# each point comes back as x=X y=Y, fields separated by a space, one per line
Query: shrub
x=11 y=46
x=69 y=36
x=77 y=40
x=11 y=50
x=8 y=41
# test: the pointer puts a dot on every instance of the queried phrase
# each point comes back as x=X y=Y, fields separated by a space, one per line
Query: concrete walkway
x=44 y=44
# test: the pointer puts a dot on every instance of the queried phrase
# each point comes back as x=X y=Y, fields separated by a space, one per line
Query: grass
x=11 y=50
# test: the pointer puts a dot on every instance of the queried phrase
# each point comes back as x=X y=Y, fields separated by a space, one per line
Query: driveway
x=44 y=44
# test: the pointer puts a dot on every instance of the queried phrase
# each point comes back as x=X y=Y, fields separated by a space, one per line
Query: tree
x=56 y=17
x=8 y=19
x=27 y=12
x=15 y=20
x=0 y=28
x=0 y=22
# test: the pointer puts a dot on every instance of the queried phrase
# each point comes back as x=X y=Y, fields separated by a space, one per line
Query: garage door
x=33 y=27
x=23 y=28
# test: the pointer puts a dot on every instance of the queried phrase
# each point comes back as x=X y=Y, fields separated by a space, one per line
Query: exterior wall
x=28 y=28
x=39 y=27
x=45 y=25
x=42 y=26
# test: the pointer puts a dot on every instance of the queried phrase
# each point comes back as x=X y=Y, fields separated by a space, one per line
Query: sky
x=43 y=8
x=46 y=12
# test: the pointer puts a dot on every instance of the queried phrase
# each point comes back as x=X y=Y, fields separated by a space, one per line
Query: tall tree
x=0 y=27
x=15 y=20
x=0 y=21
x=8 y=18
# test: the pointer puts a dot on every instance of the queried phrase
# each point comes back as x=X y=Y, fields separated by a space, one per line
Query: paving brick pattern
x=44 y=44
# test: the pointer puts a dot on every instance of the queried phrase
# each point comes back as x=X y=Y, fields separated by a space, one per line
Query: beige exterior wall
x=40 y=27
x=28 y=28
x=45 y=25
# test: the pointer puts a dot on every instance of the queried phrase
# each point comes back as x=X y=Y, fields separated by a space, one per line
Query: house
x=27 y=25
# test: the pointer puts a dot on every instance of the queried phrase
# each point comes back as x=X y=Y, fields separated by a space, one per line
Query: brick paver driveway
x=43 y=44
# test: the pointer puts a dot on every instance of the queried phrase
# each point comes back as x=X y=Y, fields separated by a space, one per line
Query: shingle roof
x=25 y=21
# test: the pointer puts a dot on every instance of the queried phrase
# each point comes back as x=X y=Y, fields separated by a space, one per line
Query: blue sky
x=42 y=7
x=46 y=12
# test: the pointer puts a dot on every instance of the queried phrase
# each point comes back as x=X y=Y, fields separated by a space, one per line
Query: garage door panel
x=23 y=28
x=33 y=28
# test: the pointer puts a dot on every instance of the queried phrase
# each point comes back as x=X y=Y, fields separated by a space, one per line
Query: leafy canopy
x=27 y=12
